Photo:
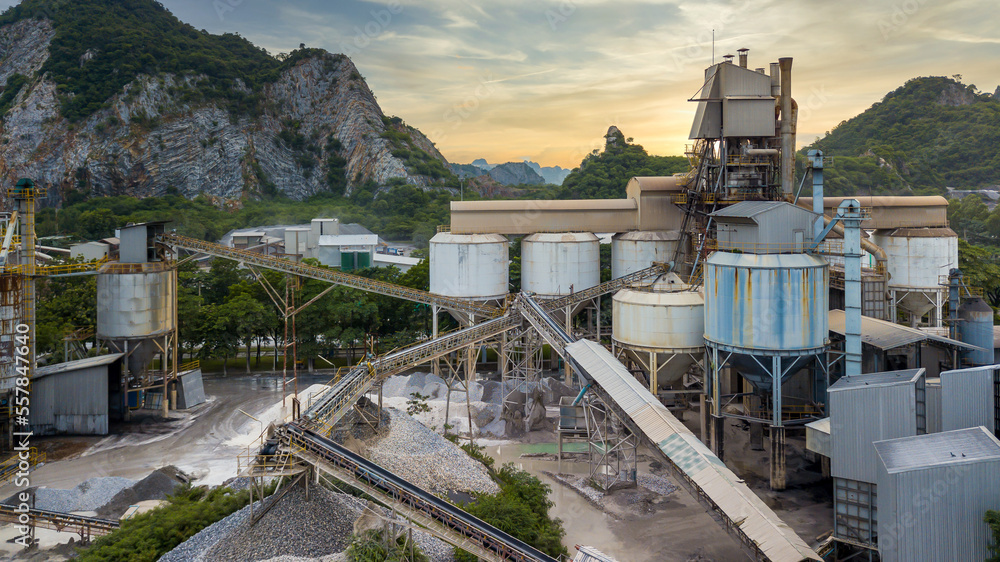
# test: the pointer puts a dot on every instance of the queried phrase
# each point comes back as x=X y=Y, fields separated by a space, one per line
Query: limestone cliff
x=322 y=130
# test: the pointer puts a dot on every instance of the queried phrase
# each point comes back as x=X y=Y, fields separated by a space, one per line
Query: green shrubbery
x=604 y=175
x=521 y=509
x=370 y=546
x=148 y=536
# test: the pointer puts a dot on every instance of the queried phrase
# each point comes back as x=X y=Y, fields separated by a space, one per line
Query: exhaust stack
x=743 y=56
x=787 y=128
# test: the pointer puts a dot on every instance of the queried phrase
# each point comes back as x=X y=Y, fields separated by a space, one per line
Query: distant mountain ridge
x=512 y=172
x=929 y=134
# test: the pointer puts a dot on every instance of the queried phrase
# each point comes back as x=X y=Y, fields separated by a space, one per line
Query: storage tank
x=469 y=266
x=553 y=265
x=977 y=330
x=665 y=318
x=136 y=305
x=917 y=259
x=773 y=303
x=636 y=250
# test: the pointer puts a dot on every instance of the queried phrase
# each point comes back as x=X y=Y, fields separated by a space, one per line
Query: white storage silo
x=554 y=265
x=636 y=250
x=918 y=260
x=469 y=266
x=660 y=327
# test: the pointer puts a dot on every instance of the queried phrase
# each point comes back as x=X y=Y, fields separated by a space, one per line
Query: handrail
x=612 y=286
x=331 y=275
x=331 y=404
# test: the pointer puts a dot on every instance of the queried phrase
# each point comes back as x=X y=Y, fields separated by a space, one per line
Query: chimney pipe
x=787 y=132
x=775 y=81
x=727 y=58
x=743 y=56
x=759 y=70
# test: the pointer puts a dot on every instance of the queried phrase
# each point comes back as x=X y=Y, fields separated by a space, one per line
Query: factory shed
x=887 y=346
x=73 y=397
x=764 y=227
x=933 y=493
x=971 y=398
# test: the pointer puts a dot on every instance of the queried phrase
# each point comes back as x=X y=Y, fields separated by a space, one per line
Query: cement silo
x=976 y=328
x=554 y=265
x=137 y=313
x=660 y=328
x=469 y=266
x=636 y=250
x=919 y=259
x=766 y=314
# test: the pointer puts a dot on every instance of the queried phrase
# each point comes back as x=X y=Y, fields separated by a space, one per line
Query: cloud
x=559 y=72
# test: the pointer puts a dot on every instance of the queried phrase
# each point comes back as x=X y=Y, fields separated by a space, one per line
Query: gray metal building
x=865 y=409
x=971 y=398
x=933 y=492
x=73 y=397
x=764 y=227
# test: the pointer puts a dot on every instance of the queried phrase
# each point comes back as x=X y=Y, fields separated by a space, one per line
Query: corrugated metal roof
x=729 y=492
x=886 y=335
x=750 y=209
x=937 y=449
x=77 y=365
x=886 y=378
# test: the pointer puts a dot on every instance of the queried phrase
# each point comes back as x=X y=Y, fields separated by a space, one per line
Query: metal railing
x=612 y=286
x=330 y=405
x=331 y=276
x=9 y=467
x=444 y=228
x=550 y=330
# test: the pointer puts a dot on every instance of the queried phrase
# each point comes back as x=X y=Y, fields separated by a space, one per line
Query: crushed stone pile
x=416 y=453
x=157 y=486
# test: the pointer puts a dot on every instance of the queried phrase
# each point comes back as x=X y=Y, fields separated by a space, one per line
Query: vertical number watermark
x=22 y=433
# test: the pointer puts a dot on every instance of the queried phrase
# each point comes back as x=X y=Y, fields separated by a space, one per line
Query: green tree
x=243 y=317
x=99 y=223
x=993 y=520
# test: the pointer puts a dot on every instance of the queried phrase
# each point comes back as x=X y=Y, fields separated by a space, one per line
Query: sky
x=543 y=80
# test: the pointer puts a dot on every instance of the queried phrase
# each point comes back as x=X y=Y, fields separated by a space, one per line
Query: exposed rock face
x=515 y=173
x=149 y=140
x=955 y=95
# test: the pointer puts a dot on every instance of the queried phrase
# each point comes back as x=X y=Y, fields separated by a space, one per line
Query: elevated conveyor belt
x=81 y=524
x=728 y=499
x=332 y=404
x=612 y=286
x=334 y=276
x=460 y=528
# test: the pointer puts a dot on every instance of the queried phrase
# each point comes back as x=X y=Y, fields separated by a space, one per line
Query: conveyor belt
x=612 y=286
x=399 y=492
x=81 y=524
x=480 y=310
x=333 y=403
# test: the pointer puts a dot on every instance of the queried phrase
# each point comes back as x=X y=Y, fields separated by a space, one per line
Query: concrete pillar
x=703 y=416
x=718 y=436
x=778 y=472
x=756 y=437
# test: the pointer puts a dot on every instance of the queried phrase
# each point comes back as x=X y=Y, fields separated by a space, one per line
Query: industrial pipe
x=787 y=131
x=761 y=151
x=881 y=259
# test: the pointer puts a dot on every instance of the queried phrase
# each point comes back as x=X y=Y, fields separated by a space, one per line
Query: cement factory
x=740 y=295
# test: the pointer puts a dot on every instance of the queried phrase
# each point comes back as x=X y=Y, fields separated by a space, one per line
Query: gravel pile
x=294 y=526
x=88 y=496
x=657 y=484
x=195 y=548
x=157 y=486
x=417 y=454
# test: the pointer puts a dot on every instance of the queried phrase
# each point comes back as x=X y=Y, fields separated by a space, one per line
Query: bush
x=993 y=520
x=149 y=536
x=370 y=546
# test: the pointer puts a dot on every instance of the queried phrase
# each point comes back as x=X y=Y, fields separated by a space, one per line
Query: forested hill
x=604 y=174
x=930 y=133
x=119 y=97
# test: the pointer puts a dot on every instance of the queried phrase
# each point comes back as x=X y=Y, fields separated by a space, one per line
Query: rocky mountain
x=926 y=135
x=550 y=174
x=109 y=98
x=515 y=173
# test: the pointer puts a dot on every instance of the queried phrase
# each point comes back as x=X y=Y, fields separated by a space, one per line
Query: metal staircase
x=334 y=276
